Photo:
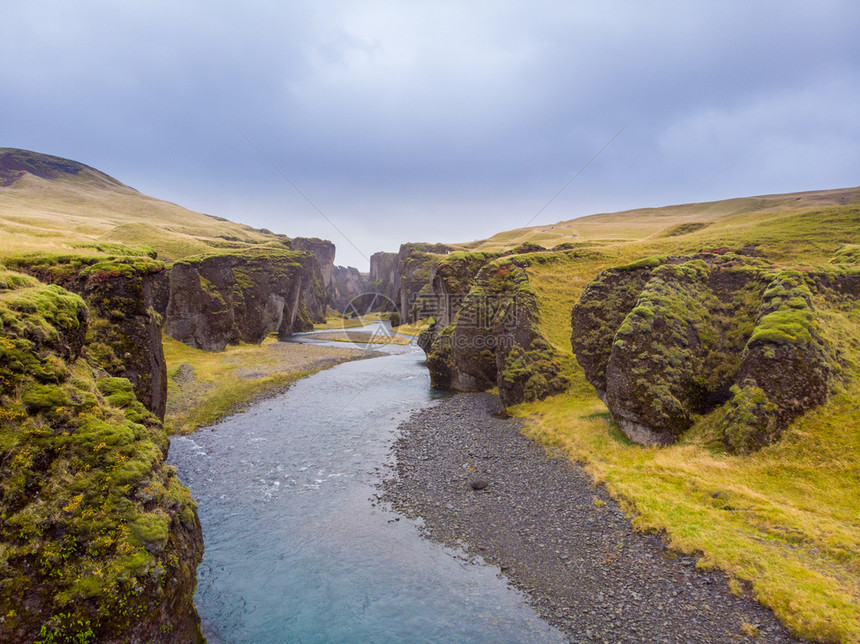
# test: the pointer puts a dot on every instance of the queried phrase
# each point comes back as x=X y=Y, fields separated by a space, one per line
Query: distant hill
x=645 y=223
x=48 y=203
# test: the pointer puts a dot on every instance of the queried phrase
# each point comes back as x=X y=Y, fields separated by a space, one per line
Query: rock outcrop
x=317 y=289
x=224 y=299
x=98 y=540
x=348 y=288
x=120 y=293
x=491 y=337
x=401 y=276
x=664 y=339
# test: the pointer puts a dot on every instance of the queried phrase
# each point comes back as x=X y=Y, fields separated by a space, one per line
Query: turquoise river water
x=298 y=549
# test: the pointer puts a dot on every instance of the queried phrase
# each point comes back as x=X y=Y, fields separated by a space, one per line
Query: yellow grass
x=414 y=329
x=53 y=216
x=362 y=338
x=221 y=383
x=787 y=519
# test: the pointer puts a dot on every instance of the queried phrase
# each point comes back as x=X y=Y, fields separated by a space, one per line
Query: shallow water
x=297 y=550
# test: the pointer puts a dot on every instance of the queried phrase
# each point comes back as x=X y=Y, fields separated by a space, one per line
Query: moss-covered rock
x=601 y=310
x=124 y=328
x=665 y=339
x=223 y=299
x=492 y=340
x=785 y=368
x=98 y=540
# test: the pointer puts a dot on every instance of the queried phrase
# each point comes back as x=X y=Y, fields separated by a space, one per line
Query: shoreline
x=206 y=387
x=556 y=535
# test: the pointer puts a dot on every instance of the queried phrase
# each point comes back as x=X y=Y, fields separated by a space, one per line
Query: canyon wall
x=486 y=333
x=99 y=540
x=666 y=339
x=224 y=299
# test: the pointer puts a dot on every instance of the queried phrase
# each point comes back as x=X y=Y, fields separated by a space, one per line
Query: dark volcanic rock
x=492 y=338
x=348 y=288
x=320 y=269
x=120 y=293
x=400 y=277
x=664 y=339
x=226 y=299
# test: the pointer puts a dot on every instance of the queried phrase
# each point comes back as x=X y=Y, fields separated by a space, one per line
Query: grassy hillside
x=671 y=221
x=56 y=205
x=783 y=522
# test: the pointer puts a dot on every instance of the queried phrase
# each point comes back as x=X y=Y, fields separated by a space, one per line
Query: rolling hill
x=52 y=204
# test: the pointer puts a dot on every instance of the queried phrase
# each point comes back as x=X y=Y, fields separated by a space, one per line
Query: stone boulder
x=666 y=339
x=492 y=338
x=226 y=299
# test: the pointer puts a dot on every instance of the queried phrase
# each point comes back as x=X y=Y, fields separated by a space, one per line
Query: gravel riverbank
x=556 y=535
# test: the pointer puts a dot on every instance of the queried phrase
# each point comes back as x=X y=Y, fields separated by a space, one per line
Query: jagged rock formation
x=400 y=276
x=98 y=539
x=348 y=285
x=383 y=273
x=231 y=298
x=323 y=250
x=664 y=339
x=316 y=292
x=491 y=337
x=120 y=293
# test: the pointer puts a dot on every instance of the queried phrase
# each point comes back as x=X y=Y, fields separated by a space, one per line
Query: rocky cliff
x=665 y=339
x=348 y=286
x=486 y=330
x=316 y=293
x=98 y=539
x=400 y=276
x=120 y=292
x=223 y=299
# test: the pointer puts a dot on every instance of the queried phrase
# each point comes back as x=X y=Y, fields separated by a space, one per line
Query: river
x=297 y=547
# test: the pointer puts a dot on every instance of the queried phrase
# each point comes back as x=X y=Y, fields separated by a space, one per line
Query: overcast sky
x=436 y=121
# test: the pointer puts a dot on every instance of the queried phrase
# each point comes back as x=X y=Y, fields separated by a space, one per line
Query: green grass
x=785 y=519
x=414 y=329
x=213 y=385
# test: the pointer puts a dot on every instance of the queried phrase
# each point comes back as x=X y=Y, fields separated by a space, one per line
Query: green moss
x=38 y=398
x=749 y=421
x=85 y=498
x=848 y=254
x=786 y=315
x=645 y=262
x=151 y=530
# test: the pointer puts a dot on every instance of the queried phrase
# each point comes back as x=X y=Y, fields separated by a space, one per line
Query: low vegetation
x=87 y=502
x=785 y=519
x=205 y=386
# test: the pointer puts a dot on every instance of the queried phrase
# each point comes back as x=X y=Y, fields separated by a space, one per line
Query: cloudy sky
x=436 y=121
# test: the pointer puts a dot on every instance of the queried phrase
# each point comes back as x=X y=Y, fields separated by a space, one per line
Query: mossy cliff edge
x=485 y=331
x=228 y=298
x=98 y=539
x=663 y=340
x=121 y=294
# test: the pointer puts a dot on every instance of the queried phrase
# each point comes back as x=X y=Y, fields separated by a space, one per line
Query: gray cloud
x=437 y=120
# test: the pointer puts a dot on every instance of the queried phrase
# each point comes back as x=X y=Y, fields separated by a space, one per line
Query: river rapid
x=298 y=549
